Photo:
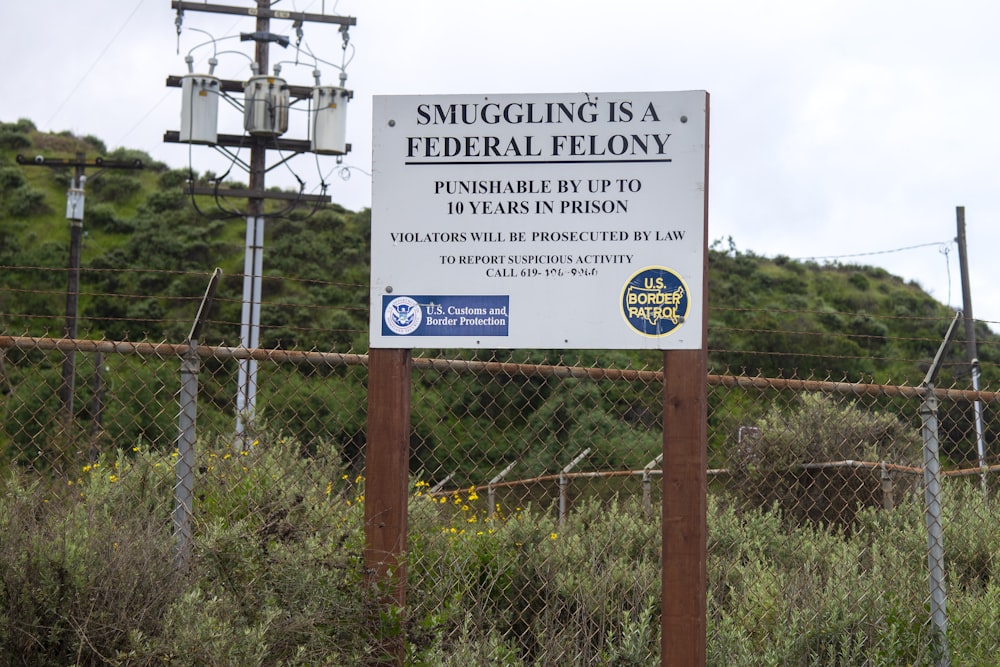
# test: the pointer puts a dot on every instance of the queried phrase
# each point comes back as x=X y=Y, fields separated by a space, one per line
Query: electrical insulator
x=329 y=126
x=266 y=110
x=199 y=109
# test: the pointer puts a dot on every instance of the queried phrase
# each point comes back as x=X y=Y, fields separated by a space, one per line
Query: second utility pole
x=970 y=336
x=74 y=213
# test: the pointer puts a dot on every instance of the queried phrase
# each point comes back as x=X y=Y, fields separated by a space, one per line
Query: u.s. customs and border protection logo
x=403 y=315
x=655 y=301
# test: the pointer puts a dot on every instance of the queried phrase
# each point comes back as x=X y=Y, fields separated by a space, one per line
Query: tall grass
x=276 y=578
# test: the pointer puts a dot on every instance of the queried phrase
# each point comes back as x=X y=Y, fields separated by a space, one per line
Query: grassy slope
x=771 y=316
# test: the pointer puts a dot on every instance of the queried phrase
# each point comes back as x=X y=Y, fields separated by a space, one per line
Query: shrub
x=13 y=139
x=11 y=178
x=768 y=468
x=22 y=125
x=78 y=580
x=103 y=217
x=275 y=575
x=115 y=186
x=167 y=200
x=26 y=201
x=96 y=144
x=516 y=590
x=174 y=178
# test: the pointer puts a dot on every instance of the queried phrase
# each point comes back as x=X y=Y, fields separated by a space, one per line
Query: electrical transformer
x=266 y=110
x=199 y=109
x=74 y=204
x=329 y=126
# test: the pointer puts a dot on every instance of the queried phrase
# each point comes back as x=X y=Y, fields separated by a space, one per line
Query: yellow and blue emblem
x=655 y=301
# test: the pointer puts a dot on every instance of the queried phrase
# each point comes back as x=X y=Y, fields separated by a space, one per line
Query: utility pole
x=971 y=350
x=264 y=125
x=74 y=213
x=253 y=267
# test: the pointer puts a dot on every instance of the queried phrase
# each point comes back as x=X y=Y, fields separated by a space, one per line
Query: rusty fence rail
x=534 y=516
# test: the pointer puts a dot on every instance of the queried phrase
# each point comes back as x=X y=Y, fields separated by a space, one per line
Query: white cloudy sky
x=838 y=127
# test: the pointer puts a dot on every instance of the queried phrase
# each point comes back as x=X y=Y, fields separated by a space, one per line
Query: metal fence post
x=888 y=495
x=932 y=519
x=564 y=486
x=440 y=485
x=184 y=488
x=491 y=494
x=647 y=474
x=932 y=500
x=187 y=433
x=97 y=407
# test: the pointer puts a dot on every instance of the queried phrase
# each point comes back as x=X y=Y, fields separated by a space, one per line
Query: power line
x=876 y=252
x=90 y=69
x=944 y=247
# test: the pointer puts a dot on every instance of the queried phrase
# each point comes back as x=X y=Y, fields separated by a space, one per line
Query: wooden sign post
x=387 y=487
x=544 y=221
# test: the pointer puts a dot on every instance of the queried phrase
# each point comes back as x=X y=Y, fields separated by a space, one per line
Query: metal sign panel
x=539 y=221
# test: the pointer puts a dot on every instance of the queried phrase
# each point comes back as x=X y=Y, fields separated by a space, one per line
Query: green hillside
x=149 y=249
x=780 y=317
x=142 y=221
x=768 y=316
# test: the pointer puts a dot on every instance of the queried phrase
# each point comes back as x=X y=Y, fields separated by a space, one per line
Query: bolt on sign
x=560 y=221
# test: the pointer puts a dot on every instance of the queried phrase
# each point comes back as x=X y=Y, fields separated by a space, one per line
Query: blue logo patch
x=403 y=315
x=446 y=315
x=655 y=301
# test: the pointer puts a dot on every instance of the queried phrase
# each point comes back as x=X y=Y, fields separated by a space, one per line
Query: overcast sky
x=848 y=129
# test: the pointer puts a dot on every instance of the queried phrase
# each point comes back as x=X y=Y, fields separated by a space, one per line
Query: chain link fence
x=534 y=515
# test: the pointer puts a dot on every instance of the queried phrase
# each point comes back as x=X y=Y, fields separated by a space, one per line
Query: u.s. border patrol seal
x=655 y=301
x=403 y=315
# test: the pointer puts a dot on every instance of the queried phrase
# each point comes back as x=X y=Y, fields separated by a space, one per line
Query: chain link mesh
x=534 y=517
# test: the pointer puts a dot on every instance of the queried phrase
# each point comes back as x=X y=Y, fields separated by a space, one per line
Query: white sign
x=539 y=221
